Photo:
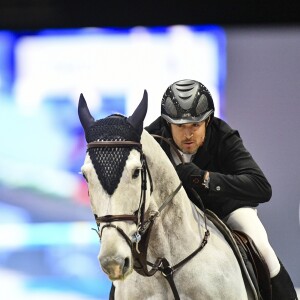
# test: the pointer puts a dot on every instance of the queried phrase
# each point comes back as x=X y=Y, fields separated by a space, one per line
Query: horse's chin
x=122 y=276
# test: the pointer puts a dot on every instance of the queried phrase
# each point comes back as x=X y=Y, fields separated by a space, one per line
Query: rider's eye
x=136 y=173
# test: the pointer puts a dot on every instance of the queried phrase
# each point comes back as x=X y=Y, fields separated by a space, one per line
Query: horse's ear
x=137 y=118
x=84 y=114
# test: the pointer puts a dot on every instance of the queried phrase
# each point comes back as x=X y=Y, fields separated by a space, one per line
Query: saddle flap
x=255 y=263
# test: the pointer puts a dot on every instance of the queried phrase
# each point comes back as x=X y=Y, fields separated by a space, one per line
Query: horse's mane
x=158 y=160
x=165 y=176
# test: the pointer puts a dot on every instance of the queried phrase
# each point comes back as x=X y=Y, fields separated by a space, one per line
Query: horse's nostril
x=126 y=264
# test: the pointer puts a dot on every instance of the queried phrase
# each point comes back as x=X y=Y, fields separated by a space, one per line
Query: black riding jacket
x=235 y=178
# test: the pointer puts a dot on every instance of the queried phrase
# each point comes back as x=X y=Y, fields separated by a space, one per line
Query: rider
x=231 y=183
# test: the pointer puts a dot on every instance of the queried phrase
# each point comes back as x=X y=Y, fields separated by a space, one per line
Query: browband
x=100 y=144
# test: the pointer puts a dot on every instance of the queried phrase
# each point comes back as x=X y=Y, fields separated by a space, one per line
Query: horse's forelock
x=109 y=162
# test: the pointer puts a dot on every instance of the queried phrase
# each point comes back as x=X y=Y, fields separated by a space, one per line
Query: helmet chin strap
x=207 y=121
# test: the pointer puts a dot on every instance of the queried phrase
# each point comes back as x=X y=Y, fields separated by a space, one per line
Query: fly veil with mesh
x=109 y=162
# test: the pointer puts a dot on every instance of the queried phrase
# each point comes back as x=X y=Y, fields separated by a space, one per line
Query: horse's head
x=114 y=169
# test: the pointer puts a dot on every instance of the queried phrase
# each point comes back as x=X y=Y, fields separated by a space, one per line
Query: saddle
x=253 y=266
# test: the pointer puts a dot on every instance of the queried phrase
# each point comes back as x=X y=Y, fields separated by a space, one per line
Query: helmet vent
x=202 y=104
x=185 y=98
x=170 y=107
x=184 y=90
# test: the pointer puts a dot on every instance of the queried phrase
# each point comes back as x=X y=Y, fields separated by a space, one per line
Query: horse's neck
x=178 y=230
x=179 y=222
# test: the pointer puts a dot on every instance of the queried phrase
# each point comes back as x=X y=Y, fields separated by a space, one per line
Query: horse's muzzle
x=116 y=267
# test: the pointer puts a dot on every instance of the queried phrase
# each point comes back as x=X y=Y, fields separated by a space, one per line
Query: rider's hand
x=190 y=175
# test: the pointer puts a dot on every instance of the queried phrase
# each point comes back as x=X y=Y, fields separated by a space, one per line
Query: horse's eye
x=136 y=173
x=84 y=177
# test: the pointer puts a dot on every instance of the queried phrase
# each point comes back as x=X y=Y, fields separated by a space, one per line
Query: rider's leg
x=245 y=219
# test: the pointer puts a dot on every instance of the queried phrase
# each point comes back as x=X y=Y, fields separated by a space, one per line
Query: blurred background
x=247 y=55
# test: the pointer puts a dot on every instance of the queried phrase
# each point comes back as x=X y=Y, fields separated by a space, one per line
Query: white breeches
x=245 y=219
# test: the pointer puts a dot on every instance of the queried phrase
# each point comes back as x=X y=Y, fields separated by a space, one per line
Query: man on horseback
x=219 y=168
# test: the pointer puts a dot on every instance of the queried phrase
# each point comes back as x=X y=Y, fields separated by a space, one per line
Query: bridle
x=139 y=241
x=139 y=216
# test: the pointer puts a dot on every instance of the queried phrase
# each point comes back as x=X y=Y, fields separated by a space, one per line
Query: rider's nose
x=188 y=134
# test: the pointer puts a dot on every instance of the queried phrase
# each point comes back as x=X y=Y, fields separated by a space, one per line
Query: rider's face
x=189 y=137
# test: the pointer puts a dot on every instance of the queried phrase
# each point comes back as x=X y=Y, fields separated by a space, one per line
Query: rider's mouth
x=188 y=143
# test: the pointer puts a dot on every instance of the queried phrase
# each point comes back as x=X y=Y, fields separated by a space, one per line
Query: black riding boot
x=282 y=286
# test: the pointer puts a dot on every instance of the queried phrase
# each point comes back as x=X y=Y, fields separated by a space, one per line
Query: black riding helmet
x=187 y=101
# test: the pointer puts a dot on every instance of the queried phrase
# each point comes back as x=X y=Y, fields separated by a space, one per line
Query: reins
x=170 y=143
x=140 y=239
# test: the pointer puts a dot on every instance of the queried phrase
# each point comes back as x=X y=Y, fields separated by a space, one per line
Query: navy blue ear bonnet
x=109 y=162
x=112 y=128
